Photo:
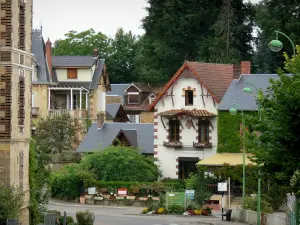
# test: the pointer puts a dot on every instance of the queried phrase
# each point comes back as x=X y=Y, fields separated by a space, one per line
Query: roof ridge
x=209 y=63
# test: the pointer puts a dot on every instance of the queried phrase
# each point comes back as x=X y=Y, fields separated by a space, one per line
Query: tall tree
x=276 y=15
x=179 y=30
x=120 y=63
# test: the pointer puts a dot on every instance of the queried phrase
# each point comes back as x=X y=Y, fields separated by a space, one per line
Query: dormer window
x=72 y=73
x=133 y=98
x=189 y=97
x=151 y=98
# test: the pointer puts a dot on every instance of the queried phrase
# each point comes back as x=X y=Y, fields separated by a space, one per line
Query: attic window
x=72 y=73
x=189 y=97
x=133 y=98
x=151 y=98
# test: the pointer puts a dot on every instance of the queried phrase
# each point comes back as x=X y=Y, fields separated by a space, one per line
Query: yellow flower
x=161 y=211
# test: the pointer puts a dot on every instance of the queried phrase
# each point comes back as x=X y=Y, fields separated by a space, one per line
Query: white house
x=185 y=115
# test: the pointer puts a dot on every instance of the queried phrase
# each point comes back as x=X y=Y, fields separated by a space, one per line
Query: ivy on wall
x=229 y=137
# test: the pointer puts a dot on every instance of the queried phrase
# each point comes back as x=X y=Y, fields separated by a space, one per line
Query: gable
x=132 y=88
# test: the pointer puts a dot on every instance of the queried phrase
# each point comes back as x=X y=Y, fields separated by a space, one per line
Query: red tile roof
x=216 y=78
x=193 y=113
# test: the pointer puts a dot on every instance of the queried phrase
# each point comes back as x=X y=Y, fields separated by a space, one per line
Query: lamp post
x=248 y=90
x=233 y=111
x=276 y=45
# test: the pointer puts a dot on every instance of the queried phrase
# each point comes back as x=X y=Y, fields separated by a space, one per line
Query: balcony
x=202 y=145
x=35 y=111
x=77 y=113
x=173 y=144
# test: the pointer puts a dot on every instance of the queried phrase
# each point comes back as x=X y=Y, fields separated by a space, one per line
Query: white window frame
x=134 y=118
x=133 y=93
x=32 y=99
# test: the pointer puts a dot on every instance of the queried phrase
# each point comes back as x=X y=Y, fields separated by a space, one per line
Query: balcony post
x=80 y=99
x=71 y=99
x=86 y=101
x=49 y=98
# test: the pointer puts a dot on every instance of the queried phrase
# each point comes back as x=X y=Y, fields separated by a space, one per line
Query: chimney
x=49 y=55
x=95 y=53
x=100 y=119
x=246 y=67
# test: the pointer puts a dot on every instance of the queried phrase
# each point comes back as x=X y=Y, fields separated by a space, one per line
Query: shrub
x=193 y=206
x=161 y=211
x=69 y=220
x=85 y=218
x=251 y=204
x=175 y=209
x=145 y=210
x=197 y=212
x=10 y=203
x=121 y=164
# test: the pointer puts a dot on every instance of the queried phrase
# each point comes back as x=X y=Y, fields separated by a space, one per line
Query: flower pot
x=98 y=198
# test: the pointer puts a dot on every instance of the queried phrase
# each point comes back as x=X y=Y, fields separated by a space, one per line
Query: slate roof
x=216 y=78
x=97 y=139
x=117 y=89
x=131 y=136
x=73 y=61
x=193 y=113
x=112 y=110
x=39 y=50
x=97 y=74
x=235 y=94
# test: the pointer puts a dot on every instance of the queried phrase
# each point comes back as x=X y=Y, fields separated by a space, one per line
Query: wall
x=112 y=99
x=250 y=217
x=40 y=93
x=168 y=157
x=147 y=117
x=82 y=75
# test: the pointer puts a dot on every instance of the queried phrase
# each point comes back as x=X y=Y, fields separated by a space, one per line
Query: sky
x=57 y=17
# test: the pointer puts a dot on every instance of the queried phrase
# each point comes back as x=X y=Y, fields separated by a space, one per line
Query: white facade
x=169 y=158
x=83 y=75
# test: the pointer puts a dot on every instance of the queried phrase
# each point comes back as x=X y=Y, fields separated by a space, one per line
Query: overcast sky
x=60 y=16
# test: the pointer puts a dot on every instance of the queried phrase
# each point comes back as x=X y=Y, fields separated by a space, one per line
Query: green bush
x=69 y=220
x=251 y=204
x=85 y=218
x=121 y=164
x=10 y=203
x=66 y=183
x=193 y=206
x=175 y=209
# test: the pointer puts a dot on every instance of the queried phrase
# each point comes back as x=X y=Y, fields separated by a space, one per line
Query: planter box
x=87 y=197
x=98 y=198
x=143 y=199
x=119 y=198
x=130 y=197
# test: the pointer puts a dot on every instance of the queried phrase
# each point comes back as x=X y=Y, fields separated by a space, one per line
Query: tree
x=120 y=62
x=182 y=30
x=10 y=204
x=275 y=142
x=57 y=134
x=82 y=43
x=121 y=164
x=39 y=177
x=276 y=15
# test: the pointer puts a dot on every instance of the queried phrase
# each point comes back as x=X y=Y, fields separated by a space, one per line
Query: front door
x=187 y=166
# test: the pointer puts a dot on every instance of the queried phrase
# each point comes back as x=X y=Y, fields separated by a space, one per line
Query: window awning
x=219 y=159
x=193 y=113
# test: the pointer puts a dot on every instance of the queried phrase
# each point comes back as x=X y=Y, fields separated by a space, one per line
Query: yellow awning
x=232 y=159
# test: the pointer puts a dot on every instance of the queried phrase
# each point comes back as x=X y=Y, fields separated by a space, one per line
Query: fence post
x=65 y=218
x=297 y=211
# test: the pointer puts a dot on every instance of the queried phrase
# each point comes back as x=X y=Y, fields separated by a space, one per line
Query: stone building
x=15 y=96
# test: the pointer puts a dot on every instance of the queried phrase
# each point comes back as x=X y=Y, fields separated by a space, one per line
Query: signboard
x=222 y=186
x=92 y=191
x=175 y=198
x=122 y=192
x=190 y=194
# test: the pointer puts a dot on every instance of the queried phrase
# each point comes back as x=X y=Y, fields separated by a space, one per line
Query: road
x=109 y=215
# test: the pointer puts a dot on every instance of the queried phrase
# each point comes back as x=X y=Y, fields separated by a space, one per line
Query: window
x=134 y=118
x=72 y=73
x=203 y=131
x=151 y=100
x=174 y=130
x=133 y=98
x=189 y=97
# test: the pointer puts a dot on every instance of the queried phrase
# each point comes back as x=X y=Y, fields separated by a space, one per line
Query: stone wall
x=147 y=117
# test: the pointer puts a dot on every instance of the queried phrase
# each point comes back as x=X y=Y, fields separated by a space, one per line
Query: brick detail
x=155 y=136
x=177 y=166
x=155 y=159
x=155 y=110
x=155 y=146
x=2 y=128
x=2 y=99
x=155 y=116
x=189 y=88
x=155 y=130
x=155 y=123
x=177 y=160
x=155 y=152
x=177 y=173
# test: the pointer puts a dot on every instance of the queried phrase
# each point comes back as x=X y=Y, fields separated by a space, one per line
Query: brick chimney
x=49 y=55
x=95 y=53
x=100 y=119
x=246 y=67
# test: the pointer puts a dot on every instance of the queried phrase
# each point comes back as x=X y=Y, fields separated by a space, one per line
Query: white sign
x=190 y=194
x=171 y=195
x=92 y=191
x=222 y=186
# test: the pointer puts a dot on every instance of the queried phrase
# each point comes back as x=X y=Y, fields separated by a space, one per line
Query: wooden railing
x=77 y=113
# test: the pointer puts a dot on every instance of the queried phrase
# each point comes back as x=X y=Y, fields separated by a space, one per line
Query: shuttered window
x=72 y=73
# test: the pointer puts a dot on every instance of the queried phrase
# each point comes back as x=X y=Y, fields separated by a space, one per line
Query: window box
x=202 y=145
x=173 y=144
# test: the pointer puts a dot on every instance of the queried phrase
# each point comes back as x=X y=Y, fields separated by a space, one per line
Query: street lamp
x=233 y=111
x=248 y=90
x=276 y=45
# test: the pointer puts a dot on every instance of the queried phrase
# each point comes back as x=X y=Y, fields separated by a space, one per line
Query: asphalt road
x=109 y=215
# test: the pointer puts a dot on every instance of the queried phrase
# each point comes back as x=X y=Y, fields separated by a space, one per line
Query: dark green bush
x=69 y=220
x=251 y=203
x=85 y=218
x=175 y=209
